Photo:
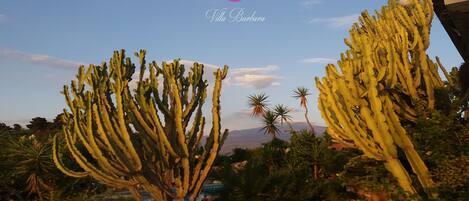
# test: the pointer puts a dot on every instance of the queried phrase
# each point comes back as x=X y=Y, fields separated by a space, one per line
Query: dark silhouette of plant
x=37 y=124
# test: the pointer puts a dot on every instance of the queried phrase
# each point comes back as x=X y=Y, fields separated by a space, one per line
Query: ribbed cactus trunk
x=146 y=133
x=384 y=75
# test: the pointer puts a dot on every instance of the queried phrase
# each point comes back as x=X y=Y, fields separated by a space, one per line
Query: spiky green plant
x=146 y=137
x=31 y=159
x=270 y=123
x=258 y=103
x=283 y=112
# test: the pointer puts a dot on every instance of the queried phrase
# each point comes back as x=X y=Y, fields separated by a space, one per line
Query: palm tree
x=283 y=112
x=258 y=103
x=301 y=93
x=270 y=124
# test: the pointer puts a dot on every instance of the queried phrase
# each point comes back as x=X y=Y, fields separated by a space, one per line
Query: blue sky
x=43 y=42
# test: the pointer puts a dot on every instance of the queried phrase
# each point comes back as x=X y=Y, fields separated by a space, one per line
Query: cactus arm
x=403 y=141
x=112 y=147
x=219 y=76
x=60 y=165
x=198 y=137
x=104 y=112
x=445 y=72
x=196 y=79
x=178 y=120
x=92 y=145
x=394 y=166
x=88 y=167
x=137 y=165
x=163 y=136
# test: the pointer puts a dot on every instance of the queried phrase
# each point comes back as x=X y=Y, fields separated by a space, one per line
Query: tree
x=305 y=145
x=149 y=136
x=38 y=124
x=17 y=127
x=301 y=93
x=4 y=128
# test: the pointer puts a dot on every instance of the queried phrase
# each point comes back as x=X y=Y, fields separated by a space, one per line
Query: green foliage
x=28 y=172
x=32 y=160
x=442 y=139
x=369 y=177
x=285 y=171
x=38 y=123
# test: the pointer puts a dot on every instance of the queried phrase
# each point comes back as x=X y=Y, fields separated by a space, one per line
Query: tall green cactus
x=148 y=137
x=384 y=75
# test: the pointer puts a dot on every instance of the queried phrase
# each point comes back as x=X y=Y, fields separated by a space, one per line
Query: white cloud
x=257 y=81
x=337 y=22
x=254 y=70
x=38 y=59
x=257 y=77
x=311 y=2
x=318 y=60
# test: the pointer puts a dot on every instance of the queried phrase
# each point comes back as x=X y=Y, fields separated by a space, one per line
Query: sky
x=275 y=47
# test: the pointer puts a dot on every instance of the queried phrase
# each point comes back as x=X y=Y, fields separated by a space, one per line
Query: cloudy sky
x=276 y=47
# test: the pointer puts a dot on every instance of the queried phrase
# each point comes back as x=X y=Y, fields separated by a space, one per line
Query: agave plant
x=258 y=103
x=283 y=112
x=32 y=160
x=301 y=93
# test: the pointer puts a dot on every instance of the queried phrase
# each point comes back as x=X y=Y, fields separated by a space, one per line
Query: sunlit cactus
x=383 y=77
x=142 y=134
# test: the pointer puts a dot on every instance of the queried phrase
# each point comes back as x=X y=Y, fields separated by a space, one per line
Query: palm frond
x=283 y=112
x=301 y=93
x=258 y=103
x=270 y=123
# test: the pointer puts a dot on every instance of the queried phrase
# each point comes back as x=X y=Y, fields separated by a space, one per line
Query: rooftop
x=454 y=16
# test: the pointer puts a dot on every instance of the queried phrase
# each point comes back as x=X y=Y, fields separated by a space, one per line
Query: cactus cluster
x=148 y=135
x=384 y=75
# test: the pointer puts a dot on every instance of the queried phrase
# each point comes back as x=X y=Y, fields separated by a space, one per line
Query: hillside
x=254 y=137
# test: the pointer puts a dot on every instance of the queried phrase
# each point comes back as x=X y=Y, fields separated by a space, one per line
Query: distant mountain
x=254 y=137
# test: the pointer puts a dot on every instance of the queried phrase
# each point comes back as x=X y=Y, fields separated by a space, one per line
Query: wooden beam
x=452 y=22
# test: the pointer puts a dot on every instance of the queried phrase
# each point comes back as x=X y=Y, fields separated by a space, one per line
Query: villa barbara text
x=233 y=15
